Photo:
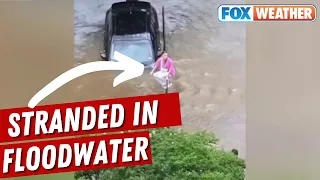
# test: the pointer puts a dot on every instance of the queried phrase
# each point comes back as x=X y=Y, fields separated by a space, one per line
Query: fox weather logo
x=235 y=13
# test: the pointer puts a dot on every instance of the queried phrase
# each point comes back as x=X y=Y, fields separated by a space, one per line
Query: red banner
x=76 y=154
x=91 y=117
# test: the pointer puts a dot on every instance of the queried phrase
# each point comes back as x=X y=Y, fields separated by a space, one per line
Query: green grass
x=60 y=176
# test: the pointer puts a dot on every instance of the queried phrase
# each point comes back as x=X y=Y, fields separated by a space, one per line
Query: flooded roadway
x=209 y=58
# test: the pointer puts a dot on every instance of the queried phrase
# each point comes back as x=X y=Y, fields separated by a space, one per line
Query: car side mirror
x=103 y=55
x=159 y=54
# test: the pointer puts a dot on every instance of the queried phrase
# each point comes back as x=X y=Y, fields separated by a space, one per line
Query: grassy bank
x=178 y=155
x=62 y=176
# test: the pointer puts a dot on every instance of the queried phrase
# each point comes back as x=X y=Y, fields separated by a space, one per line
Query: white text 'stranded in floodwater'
x=81 y=119
x=81 y=153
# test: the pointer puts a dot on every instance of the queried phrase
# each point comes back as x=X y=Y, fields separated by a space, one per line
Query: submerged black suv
x=132 y=28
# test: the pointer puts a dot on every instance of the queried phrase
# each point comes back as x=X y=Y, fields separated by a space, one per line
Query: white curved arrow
x=131 y=67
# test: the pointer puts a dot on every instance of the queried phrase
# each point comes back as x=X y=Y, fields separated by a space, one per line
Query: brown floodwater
x=209 y=58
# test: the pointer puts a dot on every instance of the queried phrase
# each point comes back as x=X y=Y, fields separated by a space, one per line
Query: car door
x=108 y=32
x=154 y=29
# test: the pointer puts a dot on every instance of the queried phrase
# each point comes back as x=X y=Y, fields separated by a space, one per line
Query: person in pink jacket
x=165 y=70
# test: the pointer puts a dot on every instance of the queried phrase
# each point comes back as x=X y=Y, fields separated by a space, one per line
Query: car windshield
x=139 y=50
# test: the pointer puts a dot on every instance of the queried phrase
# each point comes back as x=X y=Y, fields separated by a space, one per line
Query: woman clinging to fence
x=165 y=70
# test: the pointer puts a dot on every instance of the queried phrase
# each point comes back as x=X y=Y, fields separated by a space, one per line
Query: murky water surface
x=209 y=58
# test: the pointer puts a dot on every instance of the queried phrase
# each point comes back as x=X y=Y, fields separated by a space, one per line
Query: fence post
x=166 y=89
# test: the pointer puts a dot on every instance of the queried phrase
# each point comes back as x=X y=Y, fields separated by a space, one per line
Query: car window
x=130 y=24
x=140 y=50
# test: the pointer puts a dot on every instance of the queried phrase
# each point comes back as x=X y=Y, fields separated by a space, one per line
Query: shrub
x=178 y=156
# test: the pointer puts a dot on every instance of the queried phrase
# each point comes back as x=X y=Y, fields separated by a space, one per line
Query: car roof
x=132 y=17
x=131 y=6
